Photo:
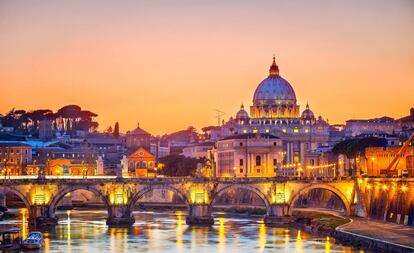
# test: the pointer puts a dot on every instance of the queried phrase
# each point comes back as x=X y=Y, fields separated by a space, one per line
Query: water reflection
x=86 y=231
x=299 y=244
x=327 y=245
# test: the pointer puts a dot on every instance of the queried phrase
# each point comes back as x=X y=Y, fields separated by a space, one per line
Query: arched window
x=144 y=164
x=258 y=160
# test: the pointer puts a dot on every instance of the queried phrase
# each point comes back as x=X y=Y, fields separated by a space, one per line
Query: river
x=85 y=231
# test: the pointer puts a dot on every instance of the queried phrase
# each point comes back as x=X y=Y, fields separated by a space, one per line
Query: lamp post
x=372 y=164
x=84 y=170
x=5 y=168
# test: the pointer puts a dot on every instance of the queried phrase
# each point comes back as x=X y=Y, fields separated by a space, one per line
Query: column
x=3 y=200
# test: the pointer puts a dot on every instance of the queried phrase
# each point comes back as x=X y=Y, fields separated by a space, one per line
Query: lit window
x=245 y=131
x=255 y=131
x=306 y=130
x=267 y=130
x=296 y=130
x=284 y=130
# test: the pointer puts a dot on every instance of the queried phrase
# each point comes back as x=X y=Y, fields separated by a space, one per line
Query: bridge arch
x=149 y=188
x=346 y=204
x=62 y=192
x=259 y=193
x=26 y=201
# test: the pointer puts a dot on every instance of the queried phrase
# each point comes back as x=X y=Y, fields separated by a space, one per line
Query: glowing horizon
x=169 y=66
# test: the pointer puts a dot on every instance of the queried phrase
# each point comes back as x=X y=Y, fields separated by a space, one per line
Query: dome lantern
x=274 y=69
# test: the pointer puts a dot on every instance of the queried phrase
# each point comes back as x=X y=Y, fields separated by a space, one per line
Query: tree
x=178 y=165
x=352 y=148
x=116 y=130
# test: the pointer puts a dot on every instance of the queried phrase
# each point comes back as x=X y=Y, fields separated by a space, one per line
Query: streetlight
x=372 y=165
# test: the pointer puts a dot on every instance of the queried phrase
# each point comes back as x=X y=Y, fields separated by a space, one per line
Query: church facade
x=275 y=112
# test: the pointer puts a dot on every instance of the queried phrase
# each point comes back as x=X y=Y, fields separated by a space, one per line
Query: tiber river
x=86 y=231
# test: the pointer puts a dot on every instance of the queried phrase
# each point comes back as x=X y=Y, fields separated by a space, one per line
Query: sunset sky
x=169 y=64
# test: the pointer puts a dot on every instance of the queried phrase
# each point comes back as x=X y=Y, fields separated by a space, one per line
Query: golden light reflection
x=24 y=222
x=68 y=224
x=262 y=237
x=299 y=243
x=327 y=245
x=221 y=234
x=179 y=228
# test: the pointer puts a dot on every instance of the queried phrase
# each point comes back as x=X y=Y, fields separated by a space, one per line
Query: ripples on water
x=86 y=231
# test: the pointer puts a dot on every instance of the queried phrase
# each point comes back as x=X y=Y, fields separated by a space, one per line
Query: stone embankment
x=375 y=236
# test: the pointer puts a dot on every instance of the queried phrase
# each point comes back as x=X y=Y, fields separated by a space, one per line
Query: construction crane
x=391 y=170
x=219 y=114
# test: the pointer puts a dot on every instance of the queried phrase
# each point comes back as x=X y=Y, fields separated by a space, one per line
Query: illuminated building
x=378 y=158
x=14 y=156
x=382 y=125
x=248 y=155
x=67 y=167
x=275 y=111
x=142 y=163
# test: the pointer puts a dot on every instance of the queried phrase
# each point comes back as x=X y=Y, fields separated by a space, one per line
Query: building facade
x=275 y=111
x=248 y=155
x=198 y=150
x=384 y=125
x=141 y=163
x=138 y=138
x=14 y=157
x=378 y=158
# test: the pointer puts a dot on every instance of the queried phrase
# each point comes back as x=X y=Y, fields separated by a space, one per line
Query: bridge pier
x=200 y=214
x=39 y=217
x=277 y=214
x=119 y=216
x=3 y=200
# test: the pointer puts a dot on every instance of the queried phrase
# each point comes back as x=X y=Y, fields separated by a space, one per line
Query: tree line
x=68 y=119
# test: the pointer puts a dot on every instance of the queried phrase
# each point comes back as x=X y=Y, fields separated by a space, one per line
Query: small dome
x=307 y=113
x=274 y=89
x=242 y=114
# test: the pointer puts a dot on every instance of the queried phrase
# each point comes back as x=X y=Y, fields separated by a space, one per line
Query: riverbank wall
x=369 y=243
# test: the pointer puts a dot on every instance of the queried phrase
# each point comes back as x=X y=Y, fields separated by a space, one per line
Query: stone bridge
x=42 y=195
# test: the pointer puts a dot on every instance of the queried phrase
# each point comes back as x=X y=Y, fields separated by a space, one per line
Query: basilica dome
x=274 y=90
x=307 y=113
x=242 y=114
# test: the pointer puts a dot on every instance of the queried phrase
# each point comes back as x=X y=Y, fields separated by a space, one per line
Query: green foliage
x=116 y=130
x=354 y=147
x=27 y=122
x=179 y=165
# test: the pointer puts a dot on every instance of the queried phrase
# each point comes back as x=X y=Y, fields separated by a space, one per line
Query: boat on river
x=10 y=239
x=33 y=241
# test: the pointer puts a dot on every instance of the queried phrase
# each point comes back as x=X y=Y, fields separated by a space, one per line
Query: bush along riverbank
x=317 y=223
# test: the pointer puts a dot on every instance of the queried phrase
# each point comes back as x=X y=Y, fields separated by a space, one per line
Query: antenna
x=219 y=114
